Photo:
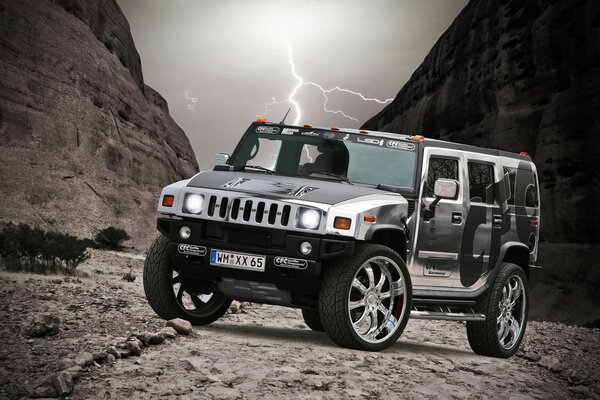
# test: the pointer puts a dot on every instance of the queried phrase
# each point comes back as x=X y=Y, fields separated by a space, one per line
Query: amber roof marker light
x=261 y=120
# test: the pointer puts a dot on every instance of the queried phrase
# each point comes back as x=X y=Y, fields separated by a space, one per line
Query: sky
x=218 y=63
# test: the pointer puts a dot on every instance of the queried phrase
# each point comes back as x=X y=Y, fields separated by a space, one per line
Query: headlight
x=192 y=204
x=308 y=218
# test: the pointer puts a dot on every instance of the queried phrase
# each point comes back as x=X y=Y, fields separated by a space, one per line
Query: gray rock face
x=521 y=76
x=84 y=142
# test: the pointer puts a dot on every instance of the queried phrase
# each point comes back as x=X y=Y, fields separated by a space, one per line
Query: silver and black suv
x=359 y=229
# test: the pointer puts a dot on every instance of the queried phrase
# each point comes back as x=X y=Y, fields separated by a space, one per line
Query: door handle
x=496 y=220
x=457 y=217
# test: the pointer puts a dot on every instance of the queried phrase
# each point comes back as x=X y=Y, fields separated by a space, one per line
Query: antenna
x=285 y=116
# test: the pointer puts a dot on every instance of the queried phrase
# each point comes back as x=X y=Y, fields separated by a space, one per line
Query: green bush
x=32 y=249
x=112 y=237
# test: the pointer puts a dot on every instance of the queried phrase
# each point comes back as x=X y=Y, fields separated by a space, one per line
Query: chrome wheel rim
x=192 y=303
x=376 y=299
x=511 y=312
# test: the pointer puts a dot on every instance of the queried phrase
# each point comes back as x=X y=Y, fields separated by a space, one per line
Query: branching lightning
x=300 y=82
x=191 y=101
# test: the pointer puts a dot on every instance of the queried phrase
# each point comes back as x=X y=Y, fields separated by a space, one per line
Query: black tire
x=484 y=337
x=337 y=291
x=312 y=319
x=159 y=289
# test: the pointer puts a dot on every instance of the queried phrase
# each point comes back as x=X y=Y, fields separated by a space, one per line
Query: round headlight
x=308 y=218
x=193 y=203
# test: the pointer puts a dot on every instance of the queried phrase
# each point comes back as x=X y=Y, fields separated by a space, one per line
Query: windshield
x=324 y=154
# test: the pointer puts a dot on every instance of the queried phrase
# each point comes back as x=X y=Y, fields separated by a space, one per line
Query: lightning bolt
x=191 y=101
x=300 y=82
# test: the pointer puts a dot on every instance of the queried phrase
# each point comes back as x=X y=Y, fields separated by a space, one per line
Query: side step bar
x=449 y=310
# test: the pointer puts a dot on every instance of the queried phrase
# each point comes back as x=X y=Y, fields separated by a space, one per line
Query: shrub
x=32 y=249
x=112 y=237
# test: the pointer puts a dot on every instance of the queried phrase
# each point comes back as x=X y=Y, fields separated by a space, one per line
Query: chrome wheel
x=190 y=302
x=376 y=300
x=511 y=314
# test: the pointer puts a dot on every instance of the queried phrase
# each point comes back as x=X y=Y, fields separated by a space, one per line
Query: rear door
x=484 y=219
x=436 y=253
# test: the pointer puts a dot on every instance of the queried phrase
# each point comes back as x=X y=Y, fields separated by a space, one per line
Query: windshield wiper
x=338 y=176
x=267 y=170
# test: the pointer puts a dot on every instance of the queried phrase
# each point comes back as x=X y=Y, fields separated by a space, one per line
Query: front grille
x=251 y=211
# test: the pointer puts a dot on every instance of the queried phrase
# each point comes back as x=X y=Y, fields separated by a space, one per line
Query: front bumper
x=294 y=285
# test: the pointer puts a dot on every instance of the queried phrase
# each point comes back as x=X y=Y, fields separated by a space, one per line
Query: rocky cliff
x=523 y=75
x=84 y=143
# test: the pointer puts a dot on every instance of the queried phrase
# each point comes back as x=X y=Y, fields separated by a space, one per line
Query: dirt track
x=266 y=351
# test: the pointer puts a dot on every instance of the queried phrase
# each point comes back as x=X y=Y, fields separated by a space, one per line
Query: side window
x=531 y=195
x=512 y=173
x=440 y=168
x=481 y=182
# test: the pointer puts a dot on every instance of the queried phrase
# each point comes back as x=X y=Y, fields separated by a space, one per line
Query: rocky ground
x=88 y=325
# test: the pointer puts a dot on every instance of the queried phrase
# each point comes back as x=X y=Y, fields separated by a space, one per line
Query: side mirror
x=220 y=159
x=442 y=189
x=445 y=188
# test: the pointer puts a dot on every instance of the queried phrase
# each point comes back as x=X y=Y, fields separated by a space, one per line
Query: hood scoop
x=262 y=186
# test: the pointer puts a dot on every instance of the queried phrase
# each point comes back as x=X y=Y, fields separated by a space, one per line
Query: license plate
x=237 y=260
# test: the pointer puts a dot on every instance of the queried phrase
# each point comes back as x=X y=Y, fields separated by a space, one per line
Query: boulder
x=181 y=326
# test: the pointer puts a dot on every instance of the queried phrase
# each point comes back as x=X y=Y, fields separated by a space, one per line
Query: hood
x=317 y=190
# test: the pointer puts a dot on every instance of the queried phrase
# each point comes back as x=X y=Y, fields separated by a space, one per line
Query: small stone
x=157 y=338
x=111 y=359
x=112 y=350
x=181 y=326
x=129 y=277
x=84 y=359
x=58 y=281
x=124 y=353
x=46 y=389
x=44 y=325
x=532 y=356
x=134 y=347
x=66 y=363
x=169 y=332
x=63 y=383
x=144 y=337
x=548 y=361
x=75 y=371
x=234 y=308
x=100 y=357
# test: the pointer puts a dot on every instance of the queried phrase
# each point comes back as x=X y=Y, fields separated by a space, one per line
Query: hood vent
x=262 y=186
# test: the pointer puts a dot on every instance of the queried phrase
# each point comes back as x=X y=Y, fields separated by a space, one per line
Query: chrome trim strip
x=447 y=316
x=438 y=254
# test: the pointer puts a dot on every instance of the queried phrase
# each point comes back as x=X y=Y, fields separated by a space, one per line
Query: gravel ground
x=262 y=351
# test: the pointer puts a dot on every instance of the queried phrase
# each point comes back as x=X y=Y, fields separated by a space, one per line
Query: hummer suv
x=359 y=229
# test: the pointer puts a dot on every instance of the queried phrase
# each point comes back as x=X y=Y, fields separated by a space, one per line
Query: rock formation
x=84 y=143
x=524 y=75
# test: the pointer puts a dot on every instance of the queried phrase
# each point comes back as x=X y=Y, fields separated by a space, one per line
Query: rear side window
x=481 y=182
x=525 y=178
x=512 y=173
x=440 y=168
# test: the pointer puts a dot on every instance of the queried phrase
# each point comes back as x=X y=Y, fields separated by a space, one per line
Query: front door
x=435 y=257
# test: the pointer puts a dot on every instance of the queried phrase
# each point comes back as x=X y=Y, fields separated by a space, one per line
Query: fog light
x=305 y=248
x=185 y=232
